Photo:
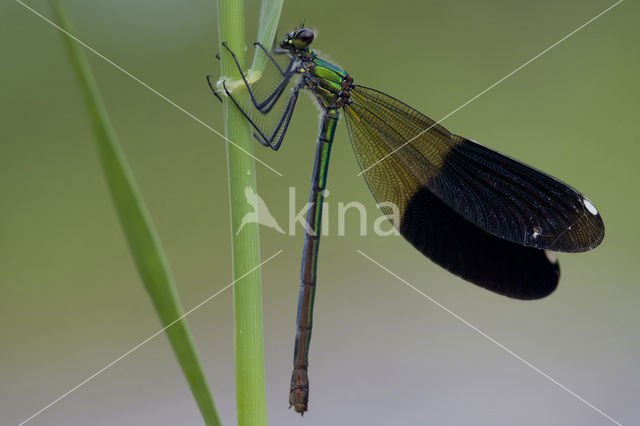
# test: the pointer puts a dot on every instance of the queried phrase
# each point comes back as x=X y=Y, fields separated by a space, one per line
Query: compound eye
x=303 y=37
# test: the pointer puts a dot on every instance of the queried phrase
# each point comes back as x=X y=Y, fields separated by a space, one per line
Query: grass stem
x=138 y=228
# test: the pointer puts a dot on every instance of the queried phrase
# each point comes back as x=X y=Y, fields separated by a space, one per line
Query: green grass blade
x=139 y=231
x=269 y=17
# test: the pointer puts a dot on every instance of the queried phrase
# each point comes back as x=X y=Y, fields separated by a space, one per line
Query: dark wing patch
x=462 y=248
x=516 y=202
x=500 y=195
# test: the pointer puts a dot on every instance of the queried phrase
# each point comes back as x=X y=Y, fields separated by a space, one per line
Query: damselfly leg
x=272 y=139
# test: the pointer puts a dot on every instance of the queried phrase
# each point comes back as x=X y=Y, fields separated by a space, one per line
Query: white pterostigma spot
x=536 y=232
x=592 y=209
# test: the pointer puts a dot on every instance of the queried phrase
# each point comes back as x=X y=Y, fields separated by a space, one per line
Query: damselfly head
x=299 y=39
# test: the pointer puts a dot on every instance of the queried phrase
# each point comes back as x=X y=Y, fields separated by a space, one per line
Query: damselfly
x=483 y=216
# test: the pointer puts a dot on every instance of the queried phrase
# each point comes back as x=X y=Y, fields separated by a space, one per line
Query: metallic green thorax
x=329 y=80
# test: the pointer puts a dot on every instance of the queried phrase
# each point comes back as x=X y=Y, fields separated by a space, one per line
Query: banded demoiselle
x=481 y=215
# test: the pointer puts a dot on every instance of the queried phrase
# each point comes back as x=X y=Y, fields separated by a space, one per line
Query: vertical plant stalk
x=137 y=226
x=247 y=293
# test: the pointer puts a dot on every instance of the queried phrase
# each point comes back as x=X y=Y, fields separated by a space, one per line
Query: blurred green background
x=381 y=354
